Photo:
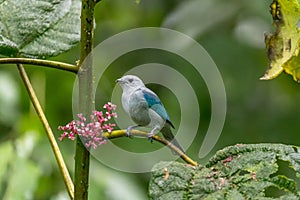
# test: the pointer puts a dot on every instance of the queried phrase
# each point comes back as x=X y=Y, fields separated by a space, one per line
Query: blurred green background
x=232 y=33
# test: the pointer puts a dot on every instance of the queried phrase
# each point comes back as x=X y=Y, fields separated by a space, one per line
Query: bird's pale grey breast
x=137 y=107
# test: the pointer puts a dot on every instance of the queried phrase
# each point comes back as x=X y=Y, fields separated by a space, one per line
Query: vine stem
x=40 y=62
x=122 y=133
x=41 y=115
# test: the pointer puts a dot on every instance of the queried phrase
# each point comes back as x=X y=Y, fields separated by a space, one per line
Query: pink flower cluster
x=92 y=132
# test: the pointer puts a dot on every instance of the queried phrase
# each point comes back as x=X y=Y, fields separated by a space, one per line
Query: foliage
x=47 y=28
x=283 y=45
x=38 y=29
x=15 y=164
x=236 y=172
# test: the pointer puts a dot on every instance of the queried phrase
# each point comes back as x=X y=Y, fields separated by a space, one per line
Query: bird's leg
x=152 y=132
x=129 y=129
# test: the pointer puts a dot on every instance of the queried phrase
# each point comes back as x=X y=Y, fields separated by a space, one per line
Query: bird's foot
x=129 y=129
x=150 y=137
x=153 y=132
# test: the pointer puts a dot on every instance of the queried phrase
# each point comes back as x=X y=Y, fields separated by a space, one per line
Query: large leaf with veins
x=38 y=29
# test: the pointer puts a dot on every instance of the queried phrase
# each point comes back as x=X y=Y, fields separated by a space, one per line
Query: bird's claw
x=150 y=137
x=128 y=132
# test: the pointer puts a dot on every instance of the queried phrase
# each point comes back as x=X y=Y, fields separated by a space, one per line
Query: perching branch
x=55 y=148
x=122 y=133
x=46 y=63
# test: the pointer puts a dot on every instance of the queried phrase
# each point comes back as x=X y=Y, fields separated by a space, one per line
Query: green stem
x=85 y=77
x=46 y=63
x=55 y=148
x=122 y=133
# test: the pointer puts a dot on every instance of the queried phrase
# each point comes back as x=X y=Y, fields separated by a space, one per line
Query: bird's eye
x=130 y=80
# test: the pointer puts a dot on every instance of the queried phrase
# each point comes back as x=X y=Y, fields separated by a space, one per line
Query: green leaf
x=284 y=183
x=236 y=172
x=9 y=99
x=18 y=174
x=170 y=180
x=38 y=29
x=216 y=11
x=283 y=45
x=7 y=46
x=6 y=152
x=23 y=179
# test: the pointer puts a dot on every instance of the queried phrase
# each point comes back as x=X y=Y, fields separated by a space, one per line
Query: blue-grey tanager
x=145 y=108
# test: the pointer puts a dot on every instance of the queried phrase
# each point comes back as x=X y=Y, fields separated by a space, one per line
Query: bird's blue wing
x=151 y=98
x=155 y=104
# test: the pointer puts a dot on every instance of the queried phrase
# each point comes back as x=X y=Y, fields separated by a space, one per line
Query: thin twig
x=45 y=63
x=122 y=133
x=55 y=148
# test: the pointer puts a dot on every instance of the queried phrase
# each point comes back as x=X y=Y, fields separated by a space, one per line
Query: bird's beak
x=119 y=80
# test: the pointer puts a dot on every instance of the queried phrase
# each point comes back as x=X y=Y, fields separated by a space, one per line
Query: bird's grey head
x=130 y=82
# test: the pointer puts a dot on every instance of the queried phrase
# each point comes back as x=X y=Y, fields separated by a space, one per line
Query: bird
x=145 y=109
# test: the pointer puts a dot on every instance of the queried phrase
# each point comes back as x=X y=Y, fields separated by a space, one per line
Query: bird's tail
x=168 y=135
